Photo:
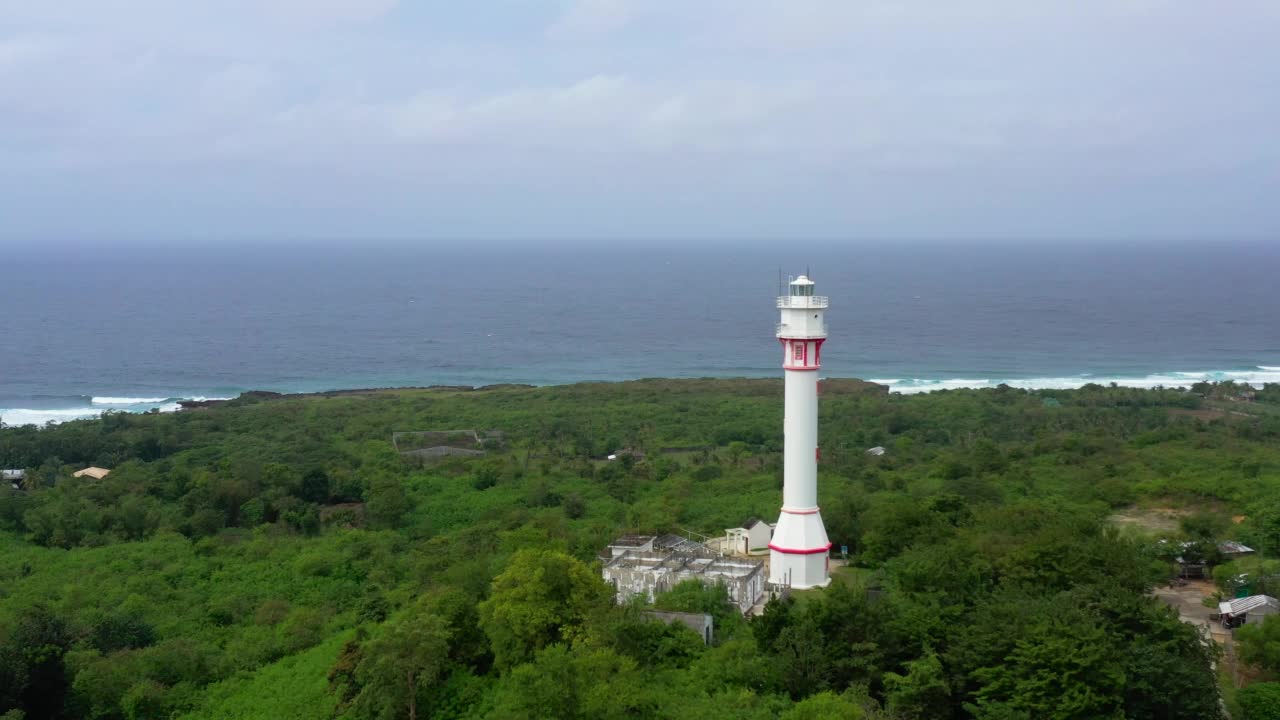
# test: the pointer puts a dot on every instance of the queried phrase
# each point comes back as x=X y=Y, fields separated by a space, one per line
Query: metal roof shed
x=1254 y=607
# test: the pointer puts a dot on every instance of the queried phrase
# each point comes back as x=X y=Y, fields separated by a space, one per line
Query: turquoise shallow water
x=138 y=329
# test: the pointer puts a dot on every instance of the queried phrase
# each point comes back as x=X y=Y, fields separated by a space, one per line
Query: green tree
x=316 y=486
x=1058 y=671
x=543 y=597
x=1259 y=643
x=101 y=683
x=894 y=522
x=692 y=596
x=574 y=506
x=33 y=676
x=408 y=656
x=646 y=640
x=573 y=685
x=1262 y=528
x=775 y=618
x=919 y=693
x=1205 y=525
x=803 y=654
x=1260 y=701
x=147 y=699
x=825 y=706
x=121 y=630
x=387 y=502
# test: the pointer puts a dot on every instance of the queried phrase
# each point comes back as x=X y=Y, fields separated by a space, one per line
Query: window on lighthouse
x=798 y=349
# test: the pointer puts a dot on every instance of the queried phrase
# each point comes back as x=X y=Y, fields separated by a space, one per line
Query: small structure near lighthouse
x=798 y=552
x=646 y=565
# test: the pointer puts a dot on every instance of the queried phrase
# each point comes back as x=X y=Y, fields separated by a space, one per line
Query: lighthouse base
x=799 y=551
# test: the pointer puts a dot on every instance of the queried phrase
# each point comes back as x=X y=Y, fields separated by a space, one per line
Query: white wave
x=920 y=385
x=1178 y=379
x=23 y=416
x=168 y=399
x=127 y=400
x=1270 y=368
x=14 y=417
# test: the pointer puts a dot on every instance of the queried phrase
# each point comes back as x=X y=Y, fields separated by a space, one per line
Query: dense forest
x=277 y=557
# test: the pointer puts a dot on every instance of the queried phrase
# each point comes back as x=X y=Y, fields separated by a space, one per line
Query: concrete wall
x=700 y=623
x=759 y=536
x=1258 y=614
x=744 y=583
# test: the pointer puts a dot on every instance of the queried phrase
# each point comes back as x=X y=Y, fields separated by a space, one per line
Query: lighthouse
x=798 y=550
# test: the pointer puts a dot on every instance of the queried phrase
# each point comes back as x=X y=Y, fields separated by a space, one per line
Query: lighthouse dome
x=801 y=287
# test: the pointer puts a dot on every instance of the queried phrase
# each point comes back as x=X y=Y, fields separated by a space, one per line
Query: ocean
x=87 y=330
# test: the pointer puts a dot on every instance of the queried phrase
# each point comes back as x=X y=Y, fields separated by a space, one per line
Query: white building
x=667 y=564
x=798 y=552
x=626 y=543
x=752 y=537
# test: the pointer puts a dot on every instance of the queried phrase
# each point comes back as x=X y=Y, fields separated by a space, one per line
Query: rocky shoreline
x=261 y=395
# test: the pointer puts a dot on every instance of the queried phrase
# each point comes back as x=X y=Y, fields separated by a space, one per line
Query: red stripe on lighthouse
x=797 y=351
x=799 y=551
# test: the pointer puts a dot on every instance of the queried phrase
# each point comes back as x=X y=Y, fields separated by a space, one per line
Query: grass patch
x=296 y=687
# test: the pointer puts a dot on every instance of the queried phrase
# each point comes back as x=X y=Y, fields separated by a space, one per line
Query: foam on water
x=43 y=416
x=1179 y=379
x=1257 y=377
x=26 y=416
x=919 y=385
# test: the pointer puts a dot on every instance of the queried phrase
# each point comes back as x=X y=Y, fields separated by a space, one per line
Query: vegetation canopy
x=279 y=557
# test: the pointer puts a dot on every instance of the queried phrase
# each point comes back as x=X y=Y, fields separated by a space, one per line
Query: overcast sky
x=190 y=120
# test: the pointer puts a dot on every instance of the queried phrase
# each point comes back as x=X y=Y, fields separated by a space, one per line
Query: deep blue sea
x=85 y=330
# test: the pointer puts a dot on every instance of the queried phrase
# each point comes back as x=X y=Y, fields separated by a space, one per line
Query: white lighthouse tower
x=798 y=551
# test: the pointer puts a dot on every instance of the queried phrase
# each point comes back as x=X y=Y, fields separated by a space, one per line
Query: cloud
x=804 y=103
x=326 y=11
x=593 y=16
x=236 y=85
x=22 y=50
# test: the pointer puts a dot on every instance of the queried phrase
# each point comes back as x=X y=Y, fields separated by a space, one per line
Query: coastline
x=1258 y=376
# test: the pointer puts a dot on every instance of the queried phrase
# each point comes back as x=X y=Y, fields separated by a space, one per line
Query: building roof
x=96 y=473
x=633 y=541
x=1226 y=547
x=669 y=541
x=1246 y=604
x=802 y=280
x=752 y=522
x=877 y=450
x=698 y=560
x=13 y=474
